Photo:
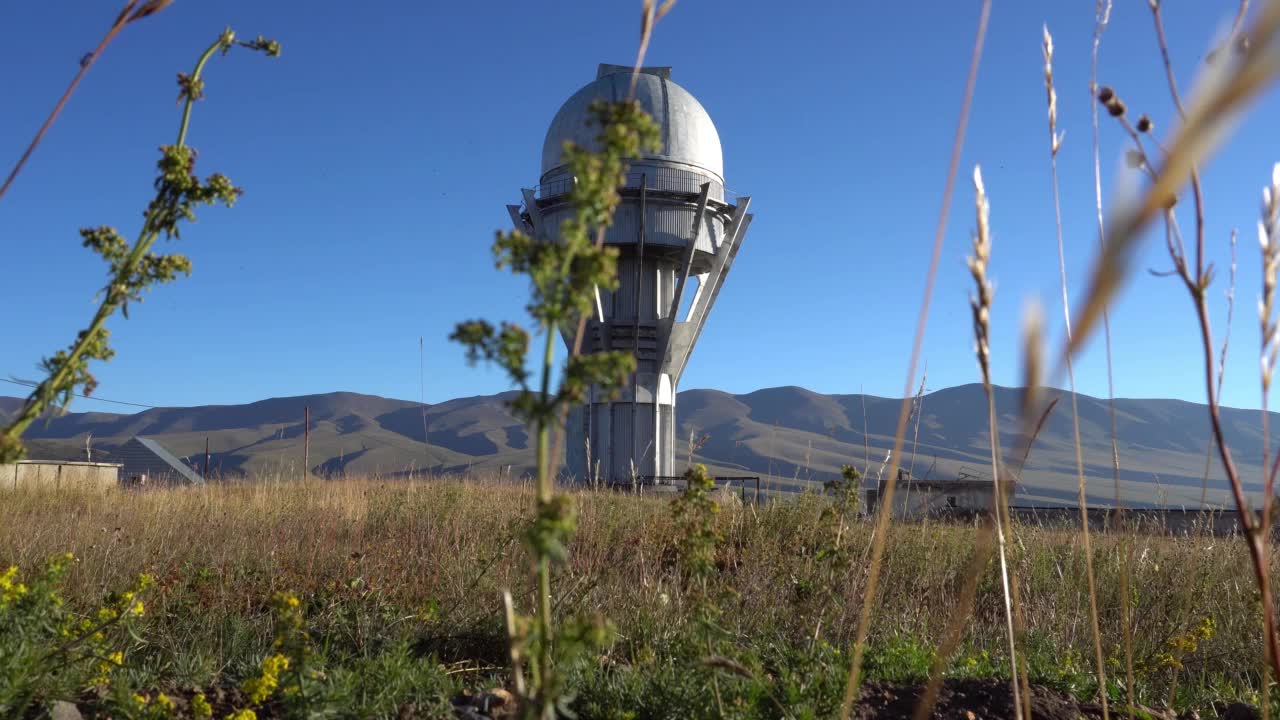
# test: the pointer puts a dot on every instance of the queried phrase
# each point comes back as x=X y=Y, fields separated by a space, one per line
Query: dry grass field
x=400 y=586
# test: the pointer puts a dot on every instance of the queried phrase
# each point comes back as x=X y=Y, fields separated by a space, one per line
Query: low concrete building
x=147 y=462
x=59 y=474
x=913 y=498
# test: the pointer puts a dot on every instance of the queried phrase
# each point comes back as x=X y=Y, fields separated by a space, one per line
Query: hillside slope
x=789 y=435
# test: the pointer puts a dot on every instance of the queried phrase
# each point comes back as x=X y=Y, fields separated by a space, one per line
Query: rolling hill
x=788 y=435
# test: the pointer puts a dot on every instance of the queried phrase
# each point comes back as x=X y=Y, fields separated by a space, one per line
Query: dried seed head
x=150 y=8
x=1144 y=124
x=1055 y=141
x=1116 y=107
x=1269 y=242
x=1102 y=15
x=1105 y=94
x=980 y=303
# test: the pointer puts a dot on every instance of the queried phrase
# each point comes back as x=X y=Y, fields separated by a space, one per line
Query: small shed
x=147 y=462
x=58 y=474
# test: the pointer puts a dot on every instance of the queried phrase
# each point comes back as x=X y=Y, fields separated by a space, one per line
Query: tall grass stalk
x=130 y=13
x=565 y=272
x=885 y=512
x=918 y=411
x=650 y=14
x=1269 y=240
x=866 y=441
x=980 y=306
x=1197 y=283
x=1055 y=144
x=1102 y=17
x=1222 y=366
x=133 y=268
x=1231 y=83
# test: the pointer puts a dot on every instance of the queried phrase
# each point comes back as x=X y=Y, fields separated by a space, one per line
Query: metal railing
x=660 y=180
x=748 y=485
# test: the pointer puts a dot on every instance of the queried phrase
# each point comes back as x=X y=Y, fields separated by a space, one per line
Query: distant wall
x=1159 y=521
x=56 y=475
x=1150 y=521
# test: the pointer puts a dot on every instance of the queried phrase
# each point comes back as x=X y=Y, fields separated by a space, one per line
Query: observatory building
x=677 y=233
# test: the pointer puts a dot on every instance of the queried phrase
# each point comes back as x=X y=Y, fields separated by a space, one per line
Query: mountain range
x=789 y=436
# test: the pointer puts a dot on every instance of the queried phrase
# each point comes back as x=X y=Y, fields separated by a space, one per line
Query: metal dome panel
x=688 y=135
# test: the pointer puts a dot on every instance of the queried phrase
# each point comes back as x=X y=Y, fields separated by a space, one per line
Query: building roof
x=79 y=463
x=177 y=465
x=687 y=134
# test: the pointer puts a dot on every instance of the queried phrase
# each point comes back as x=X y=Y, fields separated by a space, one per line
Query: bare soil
x=971 y=699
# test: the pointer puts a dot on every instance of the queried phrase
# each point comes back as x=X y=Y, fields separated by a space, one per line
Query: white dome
x=687 y=134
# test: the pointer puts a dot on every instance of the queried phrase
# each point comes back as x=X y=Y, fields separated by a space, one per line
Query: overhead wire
x=30 y=384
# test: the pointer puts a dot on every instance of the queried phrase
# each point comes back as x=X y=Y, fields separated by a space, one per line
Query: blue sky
x=378 y=152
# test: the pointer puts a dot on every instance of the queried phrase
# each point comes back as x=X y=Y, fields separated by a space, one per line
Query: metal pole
x=635 y=336
x=422 y=401
x=306 y=444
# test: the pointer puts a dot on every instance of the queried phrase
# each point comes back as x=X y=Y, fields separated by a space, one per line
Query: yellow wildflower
x=260 y=688
x=200 y=707
x=10 y=589
x=243 y=715
x=164 y=703
x=138 y=609
x=276 y=663
x=59 y=563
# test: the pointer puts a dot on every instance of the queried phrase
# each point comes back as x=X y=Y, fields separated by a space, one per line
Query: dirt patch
x=969 y=699
x=973 y=699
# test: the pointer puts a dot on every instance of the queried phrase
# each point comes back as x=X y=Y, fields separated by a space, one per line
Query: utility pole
x=206 y=457
x=306 y=444
x=422 y=402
